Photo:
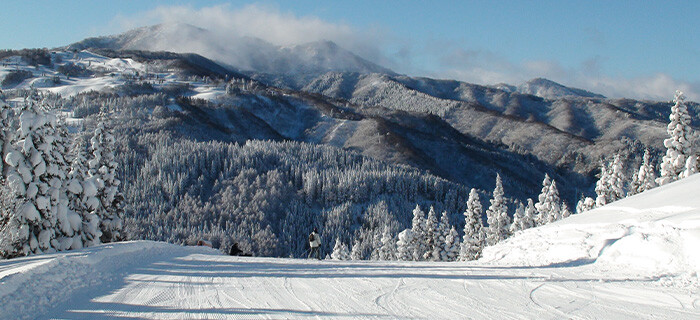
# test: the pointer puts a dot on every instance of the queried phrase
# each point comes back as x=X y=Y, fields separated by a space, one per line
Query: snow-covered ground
x=634 y=259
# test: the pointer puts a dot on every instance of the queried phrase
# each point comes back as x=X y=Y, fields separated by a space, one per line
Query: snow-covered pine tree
x=404 y=246
x=103 y=167
x=69 y=222
x=36 y=180
x=474 y=237
x=432 y=233
x=553 y=203
x=542 y=206
x=418 y=229
x=585 y=204
x=387 y=251
x=602 y=186
x=678 y=145
x=497 y=215
x=565 y=213
x=356 y=251
x=452 y=246
x=529 y=215
x=518 y=218
x=340 y=251
x=441 y=236
x=548 y=203
x=645 y=178
x=80 y=190
x=617 y=179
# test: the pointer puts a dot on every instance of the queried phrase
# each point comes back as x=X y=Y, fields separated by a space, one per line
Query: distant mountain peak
x=244 y=53
x=549 y=89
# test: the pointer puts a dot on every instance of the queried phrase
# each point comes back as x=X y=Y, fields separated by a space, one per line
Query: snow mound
x=655 y=233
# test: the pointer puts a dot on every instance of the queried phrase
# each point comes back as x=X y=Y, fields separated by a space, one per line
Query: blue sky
x=641 y=49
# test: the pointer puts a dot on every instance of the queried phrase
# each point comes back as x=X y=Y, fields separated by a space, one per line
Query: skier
x=314 y=243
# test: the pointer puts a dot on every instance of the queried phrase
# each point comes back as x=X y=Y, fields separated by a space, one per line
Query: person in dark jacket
x=235 y=251
x=315 y=244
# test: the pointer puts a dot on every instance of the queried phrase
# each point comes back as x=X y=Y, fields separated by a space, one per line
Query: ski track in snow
x=149 y=280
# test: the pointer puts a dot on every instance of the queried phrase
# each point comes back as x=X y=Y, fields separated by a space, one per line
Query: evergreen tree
x=553 y=203
x=585 y=204
x=340 y=251
x=616 y=180
x=497 y=216
x=418 y=230
x=610 y=186
x=432 y=234
x=542 y=206
x=441 y=237
x=103 y=167
x=565 y=213
x=602 y=186
x=518 y=218
x=474 y=237
x=36 y=181
x=404 y=246
x=678 y=145
x=452 y=246
x=645 y=178
x=356 y=252
x=548 y=202
x=528 y=220
x=387 y=251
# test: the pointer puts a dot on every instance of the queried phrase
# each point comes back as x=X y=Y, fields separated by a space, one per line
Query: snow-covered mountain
x=549 y=89
x=635 y=258
x=243 y=53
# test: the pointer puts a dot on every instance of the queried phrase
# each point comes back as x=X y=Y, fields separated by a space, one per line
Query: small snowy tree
x=452 y=246
x=404 y=246
x=441 y=237
x=474 y=238
x=518 y=218
x=617 y=179
x=542 y=206
x=356 y=252
x=387 y=251
x=645 y=178
x=602 y=186
x=528 y=220
x=418 y=230
x=340 y=251
x=610 y=186
x=565 y=213
x=548 y=202
x=585 y=204
x=432 y=233
x=678 y=145
x=497 y=215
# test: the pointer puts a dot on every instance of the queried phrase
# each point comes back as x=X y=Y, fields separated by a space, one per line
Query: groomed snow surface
x=638 y=258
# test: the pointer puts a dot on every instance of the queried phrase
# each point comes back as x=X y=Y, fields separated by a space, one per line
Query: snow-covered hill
x=551 y=90
x=655 y=233
x=635 y=258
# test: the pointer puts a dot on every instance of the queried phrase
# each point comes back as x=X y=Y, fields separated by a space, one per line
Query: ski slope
x=633 y=259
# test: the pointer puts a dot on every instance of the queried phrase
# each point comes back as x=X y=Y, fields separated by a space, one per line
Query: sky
x=636 y=49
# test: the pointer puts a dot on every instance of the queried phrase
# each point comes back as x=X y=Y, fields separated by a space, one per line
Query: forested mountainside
x=572 y=131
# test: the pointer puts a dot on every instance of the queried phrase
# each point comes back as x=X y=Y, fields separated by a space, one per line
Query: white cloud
x=267 y=23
